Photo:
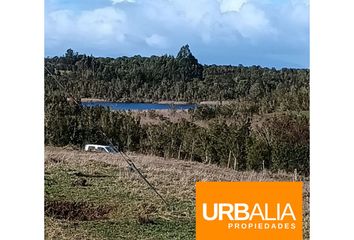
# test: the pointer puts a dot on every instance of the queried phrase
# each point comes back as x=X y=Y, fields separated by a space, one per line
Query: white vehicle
x=99 y=148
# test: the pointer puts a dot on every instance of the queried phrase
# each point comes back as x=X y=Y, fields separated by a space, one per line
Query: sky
x=269 y=33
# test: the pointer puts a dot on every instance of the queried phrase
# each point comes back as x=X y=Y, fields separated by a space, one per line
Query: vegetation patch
x=80 y=211
x=82 y=182
x=53 y=160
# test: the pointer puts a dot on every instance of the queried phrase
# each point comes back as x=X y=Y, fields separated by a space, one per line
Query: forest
x=264 y=126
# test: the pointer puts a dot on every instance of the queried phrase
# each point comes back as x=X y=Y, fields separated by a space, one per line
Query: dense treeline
x=280 y=143
x=154 y=78
x=67 y=123
x=265 y=127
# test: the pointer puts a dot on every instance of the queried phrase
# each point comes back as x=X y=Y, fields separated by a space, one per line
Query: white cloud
x=252 y=22
x=156 y=40
x=120 y=1
x=101 y=23
x=97 y=27
x=231 y=5
x=59 y=22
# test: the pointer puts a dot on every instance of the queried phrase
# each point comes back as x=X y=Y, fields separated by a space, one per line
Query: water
x=139 y=106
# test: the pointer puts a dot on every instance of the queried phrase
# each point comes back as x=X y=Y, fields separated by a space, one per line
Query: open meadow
x=96 y=196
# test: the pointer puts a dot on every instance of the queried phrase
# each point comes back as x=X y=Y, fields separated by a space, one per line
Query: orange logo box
x=249 y=210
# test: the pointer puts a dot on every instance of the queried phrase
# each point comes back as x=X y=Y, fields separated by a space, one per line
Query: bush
x=259 y=154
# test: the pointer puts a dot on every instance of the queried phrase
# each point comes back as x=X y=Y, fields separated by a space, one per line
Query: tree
x=185 y=52
x=69 y=53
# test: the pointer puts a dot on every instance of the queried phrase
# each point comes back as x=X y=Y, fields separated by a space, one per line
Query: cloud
x=251 y=22
x=96 y=27
x=219 y=31
x=231 y=5
x=120 y=1
x=157 y=41
x=101 y=23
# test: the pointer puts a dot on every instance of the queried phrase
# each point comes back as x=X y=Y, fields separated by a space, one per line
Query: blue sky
x=272 y=33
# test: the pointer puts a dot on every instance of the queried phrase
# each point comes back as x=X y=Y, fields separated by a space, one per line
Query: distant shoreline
x=93 y=100
x=160 y=102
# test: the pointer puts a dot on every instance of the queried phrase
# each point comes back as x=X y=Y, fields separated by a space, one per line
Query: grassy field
x=96 y=196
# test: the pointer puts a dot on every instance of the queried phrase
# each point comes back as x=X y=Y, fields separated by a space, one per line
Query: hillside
x=95 y=196
x=180 y=78
x=265 y=124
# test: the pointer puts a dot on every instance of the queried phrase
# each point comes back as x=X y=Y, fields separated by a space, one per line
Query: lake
x=139 y=106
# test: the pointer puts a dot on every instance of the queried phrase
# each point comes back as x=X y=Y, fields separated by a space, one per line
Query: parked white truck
x=99 y=148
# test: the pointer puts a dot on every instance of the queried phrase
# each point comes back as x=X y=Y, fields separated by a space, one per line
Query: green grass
x=76 y=178
x=130 y=200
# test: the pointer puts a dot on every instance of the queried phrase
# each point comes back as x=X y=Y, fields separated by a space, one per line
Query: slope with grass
x=95 y=196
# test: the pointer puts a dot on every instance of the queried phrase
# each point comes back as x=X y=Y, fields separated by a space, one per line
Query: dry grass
x=156 y=116
x=92 y=100
x=75 y=210
x=57 y=230
x=159 y=169
x=225 y=102
x=108 y=181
